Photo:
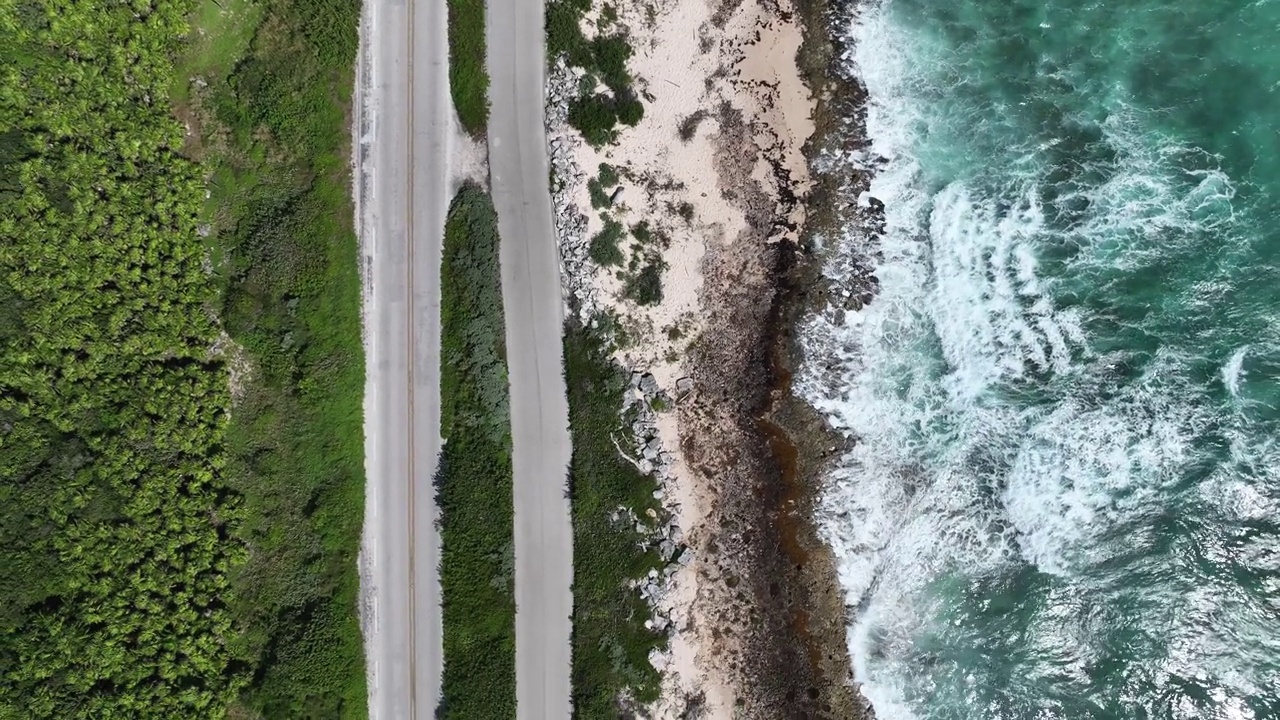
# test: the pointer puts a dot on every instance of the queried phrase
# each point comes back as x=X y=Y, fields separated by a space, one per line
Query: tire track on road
x=412 y=351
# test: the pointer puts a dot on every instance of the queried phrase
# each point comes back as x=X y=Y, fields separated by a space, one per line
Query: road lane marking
x=409 y=343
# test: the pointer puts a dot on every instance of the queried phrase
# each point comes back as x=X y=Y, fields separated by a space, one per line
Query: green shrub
x=629 y=109
x=608 y=15
x=608 y=175
x=599 y=198
x=641 y=232
x=604 y=248
x=645 y=287
x=593 y=116
x=609 y=54
x=564 y=34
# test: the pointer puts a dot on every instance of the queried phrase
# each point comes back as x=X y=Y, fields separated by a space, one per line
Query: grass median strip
x=610 y=642
x=468 y=77
x=473 y=483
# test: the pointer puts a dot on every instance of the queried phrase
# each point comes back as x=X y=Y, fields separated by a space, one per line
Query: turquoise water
x=1064 y=501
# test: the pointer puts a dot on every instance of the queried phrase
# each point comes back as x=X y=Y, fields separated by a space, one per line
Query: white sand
x=687 y=65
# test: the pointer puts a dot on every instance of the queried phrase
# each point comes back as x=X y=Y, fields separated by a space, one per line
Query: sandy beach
x=716 y=168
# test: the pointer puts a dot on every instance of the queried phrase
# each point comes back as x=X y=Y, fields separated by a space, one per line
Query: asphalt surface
x=518 y=173
x=407 y=199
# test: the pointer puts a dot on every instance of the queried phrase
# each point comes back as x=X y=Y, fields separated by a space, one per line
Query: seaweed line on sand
x=718 y=176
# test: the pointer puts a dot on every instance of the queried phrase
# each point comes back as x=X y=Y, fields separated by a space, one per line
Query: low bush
x=610 y=642
x=595 y=117
x=564 y=34
x=608 y=175
x=593 y=114
x=609 y=54
x=629 y=109
x=604 y=248
x=645 y=287
x=642 y=232
x=599 y=198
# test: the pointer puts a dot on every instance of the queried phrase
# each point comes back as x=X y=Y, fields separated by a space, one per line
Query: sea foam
x=988 y=436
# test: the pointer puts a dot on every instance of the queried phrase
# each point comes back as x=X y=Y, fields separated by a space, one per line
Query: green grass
x=221 y=31
x=274 y=138
x=610 y=643
x=468 y=77
x=473 y=484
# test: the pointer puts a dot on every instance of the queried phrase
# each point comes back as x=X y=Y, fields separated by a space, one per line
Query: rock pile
x=643 y=402
x=576 y=267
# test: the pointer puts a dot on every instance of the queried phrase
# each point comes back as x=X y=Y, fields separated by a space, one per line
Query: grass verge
x=468 y=78
x=269 y=113
x=473 y=483
x=610 y=643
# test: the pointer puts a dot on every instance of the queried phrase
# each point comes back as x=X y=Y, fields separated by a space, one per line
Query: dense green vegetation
x=468 y=77
x=173 y=554
x=610 y=643
x=274 y=80
x=604 y=248
x=599 y=198
x=596 y=186
x=473 y=483
x=604 y=57
x=117 y=524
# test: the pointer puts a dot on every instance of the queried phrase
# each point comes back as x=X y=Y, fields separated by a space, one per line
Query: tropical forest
x=178 y=315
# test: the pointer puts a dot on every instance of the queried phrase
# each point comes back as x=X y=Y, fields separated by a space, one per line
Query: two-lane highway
x=404 y=129
x=518 y=171
x=403 y=195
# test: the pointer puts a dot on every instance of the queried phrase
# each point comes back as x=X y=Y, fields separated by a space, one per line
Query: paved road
x=405 y=200
x=518 y=171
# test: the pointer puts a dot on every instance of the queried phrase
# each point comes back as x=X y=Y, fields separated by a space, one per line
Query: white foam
x=946 y=474
x=1085 y=470
x=1233 y=371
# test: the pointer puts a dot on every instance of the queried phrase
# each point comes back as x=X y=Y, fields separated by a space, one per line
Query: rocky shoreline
x=805 y=290
x=748 y=595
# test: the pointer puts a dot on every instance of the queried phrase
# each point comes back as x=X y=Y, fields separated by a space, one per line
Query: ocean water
x=1064 y=498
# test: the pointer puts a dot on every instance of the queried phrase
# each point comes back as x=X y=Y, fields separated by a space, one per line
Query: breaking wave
x=1062 y=438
